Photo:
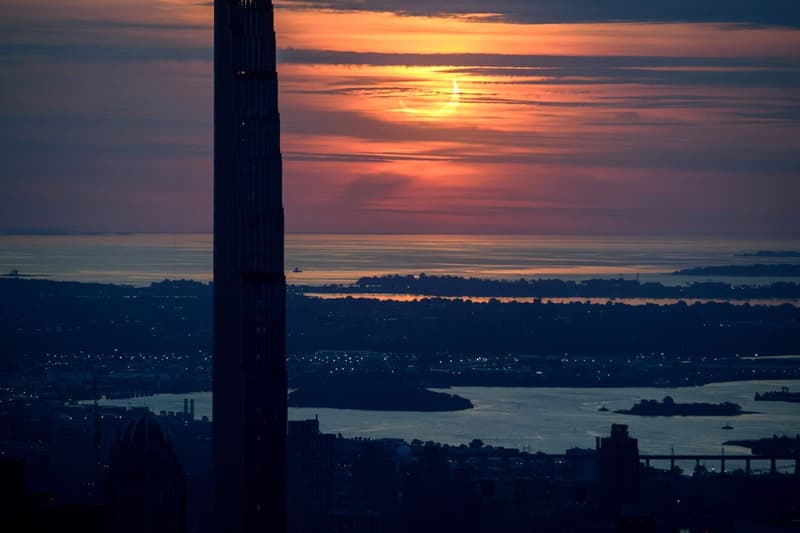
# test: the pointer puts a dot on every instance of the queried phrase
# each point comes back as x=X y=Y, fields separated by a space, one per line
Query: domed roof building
x=144 y=434
x=145 y=484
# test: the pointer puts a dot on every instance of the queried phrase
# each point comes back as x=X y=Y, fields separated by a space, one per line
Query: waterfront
x=552 y=419
x=140 y=259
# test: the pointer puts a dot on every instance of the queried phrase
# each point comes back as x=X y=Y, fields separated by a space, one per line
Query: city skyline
x=536 y=118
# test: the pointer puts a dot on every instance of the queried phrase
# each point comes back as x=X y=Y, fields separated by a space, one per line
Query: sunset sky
x=512 y=116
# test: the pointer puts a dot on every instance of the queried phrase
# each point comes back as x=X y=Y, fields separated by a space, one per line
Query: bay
x=552 y=419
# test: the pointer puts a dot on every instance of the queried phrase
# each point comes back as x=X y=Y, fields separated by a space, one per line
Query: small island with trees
x=773 y=270
x=376 y=397
x=771 y=253
x=668 y=407
x=783 y=395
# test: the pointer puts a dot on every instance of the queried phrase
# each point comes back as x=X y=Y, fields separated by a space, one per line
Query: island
x=759 y=270
x=376 y=397
x=771 y=253
x=782 y=395
x=668 y=407
x=770 y=447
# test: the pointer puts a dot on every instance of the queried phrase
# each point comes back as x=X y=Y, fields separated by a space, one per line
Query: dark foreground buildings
x=249 y=285
x=357 y=485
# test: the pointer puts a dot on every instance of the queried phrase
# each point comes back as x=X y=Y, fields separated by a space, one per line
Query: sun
x=422 y=107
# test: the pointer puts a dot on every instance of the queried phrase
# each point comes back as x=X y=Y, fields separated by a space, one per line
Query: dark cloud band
x=755 y=12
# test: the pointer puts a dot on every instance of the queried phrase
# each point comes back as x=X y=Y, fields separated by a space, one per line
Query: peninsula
x=376 y=397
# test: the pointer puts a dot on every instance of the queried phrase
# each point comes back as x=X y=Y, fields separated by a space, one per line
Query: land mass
x=376 y=397
x=778 y=271
x=668 y=407
x=157 y=339
x=456 y=286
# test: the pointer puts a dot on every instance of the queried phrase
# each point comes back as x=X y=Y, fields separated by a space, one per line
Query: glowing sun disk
x=445 y=110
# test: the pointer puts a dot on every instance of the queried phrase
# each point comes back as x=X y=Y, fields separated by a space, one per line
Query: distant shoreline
x=450 y=286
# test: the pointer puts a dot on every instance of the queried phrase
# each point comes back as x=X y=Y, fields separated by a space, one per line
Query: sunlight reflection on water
x=142 y=258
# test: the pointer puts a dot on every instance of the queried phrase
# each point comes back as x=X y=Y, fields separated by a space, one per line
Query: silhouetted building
x=618 y=468
x=12 y=494
x=249 y=283
x=145 y=484
x=23 y=512
x=310 y=475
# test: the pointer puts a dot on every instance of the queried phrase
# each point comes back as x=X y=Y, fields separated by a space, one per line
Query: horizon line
x=63 y=233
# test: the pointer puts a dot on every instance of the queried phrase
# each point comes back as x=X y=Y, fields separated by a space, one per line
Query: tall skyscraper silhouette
x=249 y=284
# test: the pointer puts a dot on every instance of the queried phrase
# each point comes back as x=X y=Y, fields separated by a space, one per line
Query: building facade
x=249 y=284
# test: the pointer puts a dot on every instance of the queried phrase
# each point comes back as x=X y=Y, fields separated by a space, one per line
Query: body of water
x=552 y=419
x=143 y=258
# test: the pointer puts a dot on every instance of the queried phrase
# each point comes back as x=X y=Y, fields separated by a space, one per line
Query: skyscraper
x=249 y=284
x=618 y=468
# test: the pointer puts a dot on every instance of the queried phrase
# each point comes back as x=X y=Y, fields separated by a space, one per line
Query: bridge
x=505 y=454
x=723 y=459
